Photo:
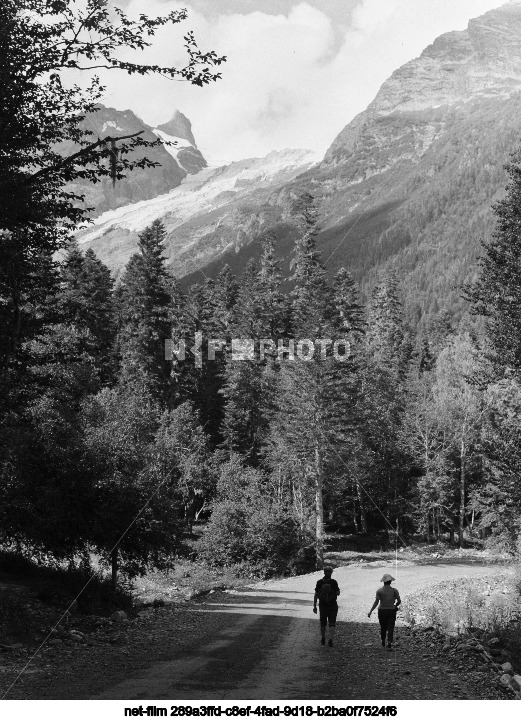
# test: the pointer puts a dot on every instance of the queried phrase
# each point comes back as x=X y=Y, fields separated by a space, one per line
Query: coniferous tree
x=273 y=306
x=260 y=315
x=389 y=352
x=347 y=303
x=385 y=334
x=146 y=314
x=311 y=308
x=210 y=308
x=313 y=420
x=85 y=300
x=40 y=41
x=242 y=389
x=497 y=500
x=497 y=292
x=223 y=299
x=246 y=320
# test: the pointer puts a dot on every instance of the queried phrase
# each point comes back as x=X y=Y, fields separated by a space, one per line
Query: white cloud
x=290 y=79
x=372 y=14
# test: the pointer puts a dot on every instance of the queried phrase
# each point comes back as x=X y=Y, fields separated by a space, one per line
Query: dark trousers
x=328 y=613
x=387 y=619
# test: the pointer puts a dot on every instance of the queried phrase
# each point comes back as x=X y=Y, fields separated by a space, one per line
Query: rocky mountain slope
x=180 y=127
x=176 y=162
x=214 y=212
x=408 y=184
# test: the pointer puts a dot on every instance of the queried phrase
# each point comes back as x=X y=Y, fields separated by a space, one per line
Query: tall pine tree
x=146 y=315
x=496 y=294
x=85 y=300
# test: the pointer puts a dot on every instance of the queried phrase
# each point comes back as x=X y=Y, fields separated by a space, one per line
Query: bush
x=265 y=540
x=59 y=584
x=251 y=528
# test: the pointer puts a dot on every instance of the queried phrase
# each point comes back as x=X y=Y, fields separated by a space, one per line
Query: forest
x=112 y=446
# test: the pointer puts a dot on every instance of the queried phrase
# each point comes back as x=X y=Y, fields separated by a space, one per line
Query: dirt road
x=262 y=643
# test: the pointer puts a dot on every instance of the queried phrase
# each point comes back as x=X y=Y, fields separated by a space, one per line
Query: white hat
x=386 y=577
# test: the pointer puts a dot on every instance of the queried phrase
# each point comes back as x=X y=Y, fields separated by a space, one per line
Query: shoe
x=323 y=641
x=389 y=647
x=383 y=644
x=330 y=644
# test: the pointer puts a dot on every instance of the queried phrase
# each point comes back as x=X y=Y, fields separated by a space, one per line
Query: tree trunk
x=355 y=521
x=462 y=496
x=355 y=518
x=114 y=568
x=363 y=516
x=470 y=524
x=319 y=504
x=16 y=323
x=452 y=532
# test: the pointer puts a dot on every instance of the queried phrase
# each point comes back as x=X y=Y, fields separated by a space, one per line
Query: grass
x=455 y=607
x=187 y=580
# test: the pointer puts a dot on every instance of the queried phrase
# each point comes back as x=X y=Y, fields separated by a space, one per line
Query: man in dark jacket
x=326 y=593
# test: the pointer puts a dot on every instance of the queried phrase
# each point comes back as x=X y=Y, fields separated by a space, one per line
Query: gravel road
x=257 y=643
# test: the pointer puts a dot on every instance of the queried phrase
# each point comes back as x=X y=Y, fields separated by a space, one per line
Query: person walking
x=326 y=593
x=388 y=601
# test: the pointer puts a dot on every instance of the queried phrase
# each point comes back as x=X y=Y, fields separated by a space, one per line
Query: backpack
x=326 y=593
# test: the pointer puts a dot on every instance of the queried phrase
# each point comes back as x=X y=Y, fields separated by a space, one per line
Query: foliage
x=137 y=515
x=41 y=42
x=496 y=294
x=249 y=526
x=498 y=500
x=144 y=299
x=455 y=606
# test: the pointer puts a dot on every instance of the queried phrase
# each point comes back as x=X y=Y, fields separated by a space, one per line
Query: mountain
x=141 y=184
x=228 y=205
x=180 y=127
x=410 y=182
x=407 y=185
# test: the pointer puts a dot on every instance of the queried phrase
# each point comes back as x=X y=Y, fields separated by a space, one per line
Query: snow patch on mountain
x=203 y=192
x=173 y=150
x=111 y=124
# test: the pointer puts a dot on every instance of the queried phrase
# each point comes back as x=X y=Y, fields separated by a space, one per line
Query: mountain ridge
x=407 y=185
x=180 y=127
x=216 y=198
x=175 y=163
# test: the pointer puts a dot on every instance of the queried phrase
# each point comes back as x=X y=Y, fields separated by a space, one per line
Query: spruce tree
x=496 y=294
x=312 y=424
x=311 y=307
x=389 y=352
x=385 y=334
x=347 y=303
x=249 y=383
x=211 y=308
x=146 y=314
x=85 y=300
x=273 y=306
x=223 y=299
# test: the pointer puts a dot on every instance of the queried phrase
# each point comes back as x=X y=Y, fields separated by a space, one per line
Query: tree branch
x=71 y=158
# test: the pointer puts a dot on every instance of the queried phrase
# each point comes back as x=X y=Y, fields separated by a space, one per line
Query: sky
x=297 y=72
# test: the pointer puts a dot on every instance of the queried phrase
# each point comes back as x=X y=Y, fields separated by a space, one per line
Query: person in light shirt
x=388 y=600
